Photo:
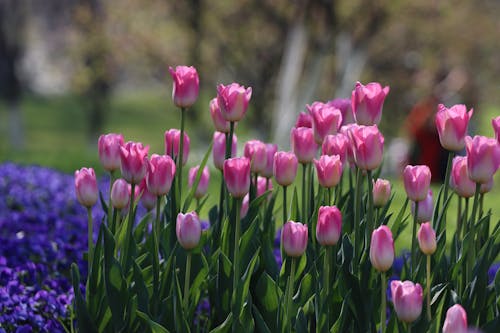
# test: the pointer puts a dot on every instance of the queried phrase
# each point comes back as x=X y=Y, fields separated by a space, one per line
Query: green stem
x=465 y=217
x=285 y=206
x=110 y=208
x=130 y=223
x=180 y=156
x=156 y=247
x=221 y=197
x=90 y=225
x=481 y=205
x=471 y=229
x=357 y=220
x=409 y=327
x=330 y=196
x=328 y=262
x=291 y=280
x=229 y=140
x=459 y=219
x=414 y=244
x=186 y=282
x=447 y=176
x=304 y=191
x=236 y=256
x=113 y=221
x=370 y=223
x=383 y=296
x=429 y=316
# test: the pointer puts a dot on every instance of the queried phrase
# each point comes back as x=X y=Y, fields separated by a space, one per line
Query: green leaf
x=268 y=296
x=244 y=285
x=190 y=196
x=141 y=290
x=85 y=323
x=339 y=325
x=301 y=322
x=225 y=327
x=154 y=326
x=259 y=321
x=294 y=213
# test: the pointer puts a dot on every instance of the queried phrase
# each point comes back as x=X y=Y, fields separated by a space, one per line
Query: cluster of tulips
x=331 y=258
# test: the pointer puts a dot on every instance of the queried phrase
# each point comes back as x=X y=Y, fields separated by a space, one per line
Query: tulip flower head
x=237 y=176
x=486 y=187
x=233 y=101
x=345 y=107
x=188 y=230
x=186 y=85
x=425 y=208
x=326 y=120
x=202 y=188
x=456 y=320
x=148 y=199
x=367 y=102
x=304 y=119
x=496 y=127
x=172 y=143
x=367 y=146
x=161 y=172
x=219 y=149
x=417 y=181
x=427 y=239
x=483 y=158
x=329 y=225
x=459 y=178
x=382 y=249
x=271 y=149
x=263 y=185
x=285 y=167
x=381 y=192
x=256 y=152
x=120 y=194
x=329 y=170
x=294 y=238
x=220 y=123
x=303 y=144
x=109 y=151
x=407 y=298
x=451 y=124
x=134 y=161
x=86 y=187
x=336 y=145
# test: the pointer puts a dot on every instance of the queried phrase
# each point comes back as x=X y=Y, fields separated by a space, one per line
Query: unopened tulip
x=271 y=149
x=326 y=120
x=427 y=239
x=285 y=167
x=148 y=199
x=256 y=152
x=329 y=225
x=496 y=127
x=456 y=320
x=483 y=158
x=407 y=298
x=304 y=119
x=219 y=149
x=425 y=208
x=303 y=144
x=336 y=145
x=202 y=188
x=345 y=107
x=86 y=187
x=382 y=249
x=220 y=123
x=346 y=129
x=233 y=101
x=263 y=185
x=120 y=194
x=486 y=187
x=237 y=176
x=294 y=238
x=367 y=146
x=417 y=180
x=329 y=170
x=188 y=230
x=244 y=206
x=459 y=178
x=452 y=125
x=367 y=102
x=186 y=85
x=134 y=161
x=172 y=142
x=161 y=172
x=109 y=151
x=381 y=192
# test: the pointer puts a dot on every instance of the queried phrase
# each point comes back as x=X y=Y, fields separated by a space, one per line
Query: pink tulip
x=161 y=172
x=304 y=119
x=407 y=298
x=496 y=127
x=456 y=320
x=285 y=167
x=486 y=187
x=336 y=145
x=483 y=158
x=367 y=102
x=459 y=178
x=271 y=149
x=329 y=170
x=329 y=225
x=233 y=101
x=417 y=180
x=188 y=230
x=303 y=144
x=381 y=192
x=256 y=152
x=172 y=142
x=148 y=199
x=186 y=85
x=451 y=125
x=367 y=146
x=263 y=185
x=220 y=123
x=294 y=238
x=120 y=194
x=237 y=176
x=425 y=208
x=109 y=151
x=244 y=206
x=219 y=149
x=86 y=187
x=345 y=107
x=326 y=120
x=134 y=161
x=202 y=188
x=382 y=249
x=346 y=129
x=427 y=239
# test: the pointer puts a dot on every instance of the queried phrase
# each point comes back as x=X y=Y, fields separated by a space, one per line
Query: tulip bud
x=329 y=225
x=233 y=101
x=186 y=86
x=202 y=188
x=303 y=144
x=161 y=172
x=452 y=125
x=148 y=199
x=304 y=119
x=417 y=181
x=496 y=127
x=456 y=320
x=345 y=107
x=109 y=151
x=336 y=145
x=483 y=158
x=120 y=194
x=326 y=120
x=486 y=187
x=255 y=151
x=367 y=102
x=263 y=185
x=134 y=162
x=244 y=206
x=237 y=176
x=459 y=178
x=382 y=249
x=221 y=124
x=271 y=149
x=329 y=170
x=407 y=298
x=219 y=149
x=188 y=230
x=346 y=129
x=294 y=238
x=285 y=167
x=425 y=208
x=172 y=142
x=368 y=146
x=381 y=192
x=86 y=187
x=427 y=239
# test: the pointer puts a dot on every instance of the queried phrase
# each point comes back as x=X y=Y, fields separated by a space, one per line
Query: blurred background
x=73 y=69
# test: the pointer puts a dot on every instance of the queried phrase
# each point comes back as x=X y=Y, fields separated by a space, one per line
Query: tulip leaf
x=268 y=296
x=260 y=323
x=339 y=325
x=154 y=326
x=294 y=211
x=300 y=322
x=191 y=193
x=225 y=327
x=85 y=323
x=140 y=290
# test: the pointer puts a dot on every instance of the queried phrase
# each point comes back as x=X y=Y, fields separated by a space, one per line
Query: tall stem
x=383 y=297
x=471 y=229
x=357 y=219
x=459 y=219
x=304 y=191
x=291 y=280
x=236 y=256
x=326 y=279
x=156 y=247
x=181 y=153
x=370 y=223
x=130 y=223
x=285 y=206
x=481 y=205
x=413 y=243
x=221 y=197
x=429 y=316
x=113 y=221
x=447 y=175
x=90 y=225
x=186 y=281
x=110 y=207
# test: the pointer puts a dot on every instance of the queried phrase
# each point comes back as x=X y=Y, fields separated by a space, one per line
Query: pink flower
x=326 y=120
x=483 y=158
x=346 y=129
x=451 y=125
x=417 y=180
x=172 y=142
x=303 y=144
x=329 y=170
x=329 y=225
x=382 y=249
x=425 y=208
x=304 y=119
x=255 y=151
x=244 y=206
x=459 y=178
x=220 y=123
x=336 y=145
x=120 y=194
x=496 y=127
x=367 y=102
x=86 y=187
x=456 y=320
x=219 y=149
x=186 y=85
x=367 y=146
x=161 y=172
x=294 y=238
x=271 y=149
x=263 y=185
x=344 y=105
x=427 y=239
x=285 y=167
x=381 y=192
x=237 y=176
x=233 y=101
x=188 y=230
x=134 y=161
x=148 y=199
x=202 y=188
x=109 y=151
x=407 y=298
x=486 y=187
